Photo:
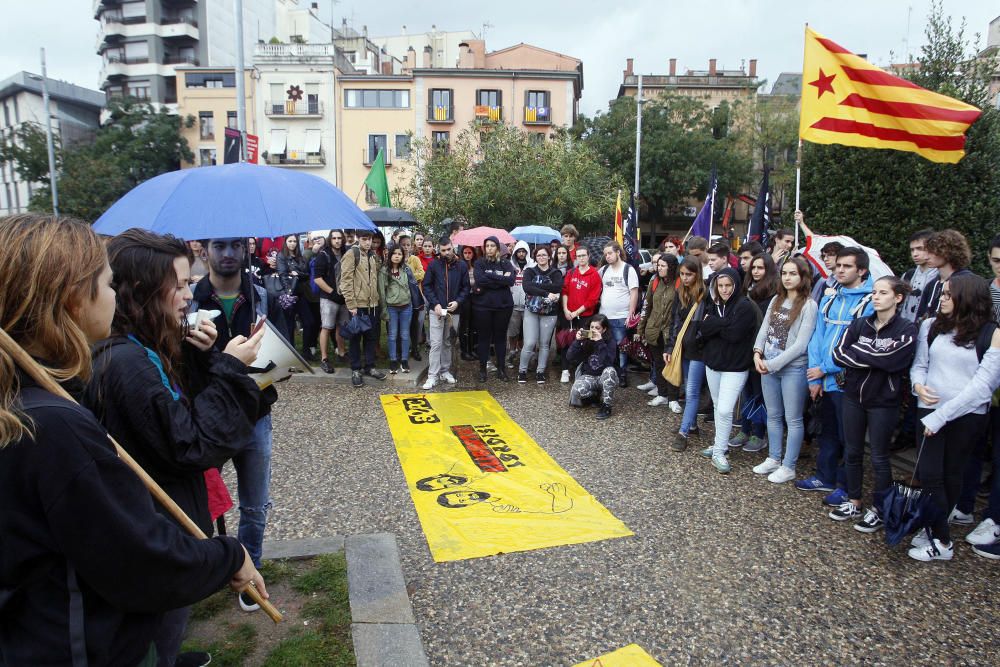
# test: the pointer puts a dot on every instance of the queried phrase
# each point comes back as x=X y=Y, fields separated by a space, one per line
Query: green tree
x=136 y=143
x=880 y=197
x=766 y=129
x=681 y=141
x=501 y=176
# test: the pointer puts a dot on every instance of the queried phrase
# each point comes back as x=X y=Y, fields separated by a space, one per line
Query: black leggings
x=491 y=326
x=942 y=464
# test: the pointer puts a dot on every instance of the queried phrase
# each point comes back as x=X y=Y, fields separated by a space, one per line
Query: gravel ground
x=722 y=569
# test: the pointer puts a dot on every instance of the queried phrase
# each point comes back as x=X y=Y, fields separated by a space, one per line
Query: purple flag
x=702 y=225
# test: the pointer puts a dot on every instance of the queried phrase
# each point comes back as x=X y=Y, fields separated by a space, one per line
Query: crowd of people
x=772 y=348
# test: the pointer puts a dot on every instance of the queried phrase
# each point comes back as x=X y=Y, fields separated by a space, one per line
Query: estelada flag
x=847 y=100
x=619 y=226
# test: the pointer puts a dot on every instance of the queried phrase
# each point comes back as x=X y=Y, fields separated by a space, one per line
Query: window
x=209 y=80
x=352 y=56
x=489 y=105
x=376 y=142
x=312 y=98
x=139 y=89
x=440 y=106
x=402 y=146
x=114 y=91
x=206 y=124
x=277 y=98
x=357 y=98
x=488 y=98
x=206 y=157
x=231 y=120
x=537 y=138
x=136 y=52
x=440 y=141
x=134 y=10
x=536 y=107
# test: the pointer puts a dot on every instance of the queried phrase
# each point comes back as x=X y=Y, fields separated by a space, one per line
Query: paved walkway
x=721 y=569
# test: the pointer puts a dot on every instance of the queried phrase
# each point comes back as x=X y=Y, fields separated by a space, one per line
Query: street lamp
x=48 y=136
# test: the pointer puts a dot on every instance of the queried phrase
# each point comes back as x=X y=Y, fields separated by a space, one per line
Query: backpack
x=983 y=340
x=628 y=267
x=338 y=296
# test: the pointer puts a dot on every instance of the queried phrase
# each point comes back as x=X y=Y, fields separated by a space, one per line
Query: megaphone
x=276 y=359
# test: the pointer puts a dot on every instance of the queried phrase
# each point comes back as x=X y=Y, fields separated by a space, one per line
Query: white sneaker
x=985 y=534
x=564 y=378
x=646 y=386
x=448 y=377
x=431 y=383
x=767 y=467
x=781 y=475
x=653 y=392
x=960 y=518
x=658 y=401
x=491 y=367
x=934 y=551
x=675 y=407
x=921 y=540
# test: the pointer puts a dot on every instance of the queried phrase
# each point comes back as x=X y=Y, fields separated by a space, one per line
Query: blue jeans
x=399 y=327
x=618 y=333
x=726 y=387
x=785 y=395
x=253 y=483
x=694 y=377
x=829 y=460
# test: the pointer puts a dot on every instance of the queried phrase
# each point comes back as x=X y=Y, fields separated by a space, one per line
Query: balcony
x=485 y=113
x=180 y=60
x=294 y=51
x=298 y=159
x=174 y=20
x=437 y=113
x=292 y=109
x=537 y=115
x=367 y=157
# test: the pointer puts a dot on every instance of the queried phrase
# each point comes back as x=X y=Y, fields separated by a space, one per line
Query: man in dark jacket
x=332 y=309
x=228 y=288
x=446 y=287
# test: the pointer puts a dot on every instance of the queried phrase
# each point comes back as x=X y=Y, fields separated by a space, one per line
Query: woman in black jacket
x=492 y=305
x=597 y=355
x=543 y=284
x=175 y=405
x=726 y=335
x=876 y=353
x=689 y=301
x=293 y=270
x=87 y=566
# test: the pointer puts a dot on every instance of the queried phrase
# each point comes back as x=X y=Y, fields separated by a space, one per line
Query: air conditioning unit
x=690 y=211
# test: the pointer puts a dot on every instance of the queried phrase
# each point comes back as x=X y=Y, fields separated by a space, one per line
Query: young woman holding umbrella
x=89 y=564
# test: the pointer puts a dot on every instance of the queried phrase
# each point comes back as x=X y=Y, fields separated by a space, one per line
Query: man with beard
x=228 y=288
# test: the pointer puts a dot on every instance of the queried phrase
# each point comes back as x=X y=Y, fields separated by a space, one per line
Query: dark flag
x=231 y=151
x=761 y=219
x=630 y=243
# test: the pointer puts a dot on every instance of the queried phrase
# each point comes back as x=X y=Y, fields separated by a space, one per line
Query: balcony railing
x=537 y=116
x=367 y=157
x=297 y=158
x=180 y=60
x=125 y=60
x=488 y=114
x=294 y=50
x=437 y=113
x=302 y=108
x=115 y=17
x=174 y=20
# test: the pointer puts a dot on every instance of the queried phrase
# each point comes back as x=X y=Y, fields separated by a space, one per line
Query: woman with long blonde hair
x=87 y=566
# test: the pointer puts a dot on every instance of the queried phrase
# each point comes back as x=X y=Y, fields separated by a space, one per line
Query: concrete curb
x=342 y=376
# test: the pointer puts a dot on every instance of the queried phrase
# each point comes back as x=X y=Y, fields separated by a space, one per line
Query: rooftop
x=58 y=90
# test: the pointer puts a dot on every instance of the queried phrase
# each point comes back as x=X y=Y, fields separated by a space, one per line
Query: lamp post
x=50 y=143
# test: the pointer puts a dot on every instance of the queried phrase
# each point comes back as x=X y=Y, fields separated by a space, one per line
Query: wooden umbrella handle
x=45 y=381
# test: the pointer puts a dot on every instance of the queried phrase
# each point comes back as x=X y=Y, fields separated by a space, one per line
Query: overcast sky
x=598 y=32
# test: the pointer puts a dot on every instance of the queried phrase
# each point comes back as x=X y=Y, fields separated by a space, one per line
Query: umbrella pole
x=35 y=371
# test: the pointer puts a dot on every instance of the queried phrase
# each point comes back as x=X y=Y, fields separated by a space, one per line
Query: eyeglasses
x=946 y=295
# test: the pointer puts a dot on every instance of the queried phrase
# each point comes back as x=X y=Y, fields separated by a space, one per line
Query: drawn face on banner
x=454 y=499
x=441 y=482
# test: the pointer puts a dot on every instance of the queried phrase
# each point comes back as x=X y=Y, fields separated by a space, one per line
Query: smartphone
x=595 y=336
x=257 y=327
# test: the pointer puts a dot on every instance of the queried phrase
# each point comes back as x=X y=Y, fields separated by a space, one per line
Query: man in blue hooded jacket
x=840 y=305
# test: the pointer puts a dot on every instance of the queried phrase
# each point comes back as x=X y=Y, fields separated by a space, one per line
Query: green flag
x=377 y=181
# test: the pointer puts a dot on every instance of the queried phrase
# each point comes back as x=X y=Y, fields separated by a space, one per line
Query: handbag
x=673 y=372
x=358 y=324
x=272 y=283
x=565 y=337
x=635 y=349
x=416 y=296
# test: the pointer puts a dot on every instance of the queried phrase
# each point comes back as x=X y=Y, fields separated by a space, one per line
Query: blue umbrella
x=535 y=234
x=233 y=200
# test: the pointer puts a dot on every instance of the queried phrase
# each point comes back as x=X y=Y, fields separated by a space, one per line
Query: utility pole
x=53 y=186
x=241 y=100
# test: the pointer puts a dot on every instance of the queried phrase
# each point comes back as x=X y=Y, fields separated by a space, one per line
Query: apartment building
x=75 y=117
x=142 y=42
x=711 y=86
x=208 y=94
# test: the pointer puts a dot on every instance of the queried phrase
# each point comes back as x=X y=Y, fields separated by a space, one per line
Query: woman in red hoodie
x=581 y=296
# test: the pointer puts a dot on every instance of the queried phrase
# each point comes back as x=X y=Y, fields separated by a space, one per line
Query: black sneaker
x=870 y=523
x=415 y=354
x=482 y=375
x=468 y=357
x=374 y=373
x=342 y=358
x=680 y=443
x=540 y=378
x=846 y=510
x=522 y=377
x=405 y=365
x=604 y=412
x=393 y=367
x=193 y=659
x=622 y=382
x=356 y=379
x=326 y=366
x=695 y=431
x=502 y=375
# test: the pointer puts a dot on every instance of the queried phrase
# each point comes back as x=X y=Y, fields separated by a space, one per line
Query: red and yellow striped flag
x=847 y=100
x=619 y=226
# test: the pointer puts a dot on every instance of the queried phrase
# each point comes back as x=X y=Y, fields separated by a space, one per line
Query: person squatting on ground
x=595 y=352
x=780 y=355
x=446 y=288
x=726 y=338
x=581 y=297
x=88 y=566
x=654 y=330
x=543 y=285
x=492 y=305
x=876 y=353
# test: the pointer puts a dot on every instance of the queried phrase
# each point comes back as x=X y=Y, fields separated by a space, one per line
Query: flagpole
x=638 y=138
x=798 y=183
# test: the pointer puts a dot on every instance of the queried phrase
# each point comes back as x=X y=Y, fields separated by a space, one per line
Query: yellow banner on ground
x=628 y=656
x=481 y=485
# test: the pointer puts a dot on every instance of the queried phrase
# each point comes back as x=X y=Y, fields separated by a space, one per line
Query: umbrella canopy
x=233 y=200
x=477 y=235
x=595 y=244
x=390 y=217
x=535 y=234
